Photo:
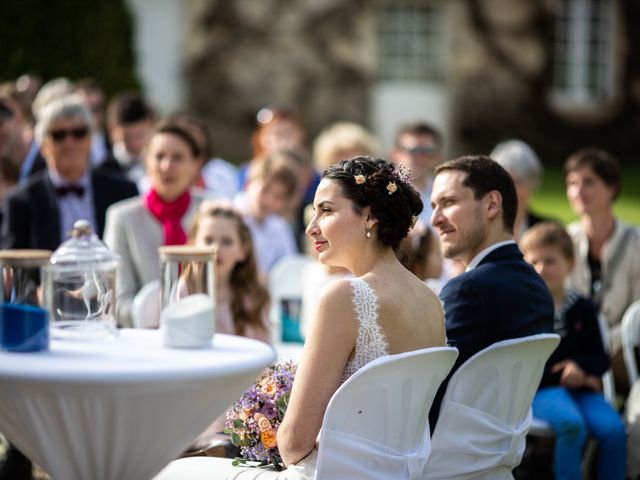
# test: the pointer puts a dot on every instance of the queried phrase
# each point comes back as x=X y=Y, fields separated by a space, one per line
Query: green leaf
x=227 y=431
x=283 y=403
x=235 y=439
x=237 y=423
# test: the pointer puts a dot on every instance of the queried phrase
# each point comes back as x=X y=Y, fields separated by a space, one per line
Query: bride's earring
x=368 y=233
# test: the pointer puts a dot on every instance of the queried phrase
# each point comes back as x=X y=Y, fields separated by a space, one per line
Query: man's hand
x=572 y=375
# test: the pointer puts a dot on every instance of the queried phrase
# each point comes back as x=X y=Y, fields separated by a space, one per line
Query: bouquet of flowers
x=254 y=419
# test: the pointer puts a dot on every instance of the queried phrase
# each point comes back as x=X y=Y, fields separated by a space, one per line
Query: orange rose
x=268 y=438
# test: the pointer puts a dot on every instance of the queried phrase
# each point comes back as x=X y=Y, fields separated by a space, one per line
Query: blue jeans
x=573 y=416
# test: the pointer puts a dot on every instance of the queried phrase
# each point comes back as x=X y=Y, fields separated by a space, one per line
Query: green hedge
x=70 y=38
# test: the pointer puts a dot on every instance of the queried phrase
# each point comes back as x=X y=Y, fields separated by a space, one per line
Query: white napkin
x=188 y=322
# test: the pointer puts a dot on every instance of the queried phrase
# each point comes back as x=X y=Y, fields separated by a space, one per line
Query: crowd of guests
x=143 y=182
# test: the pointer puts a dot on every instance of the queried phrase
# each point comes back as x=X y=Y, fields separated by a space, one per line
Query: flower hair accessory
x=392 y=187
x=360 y=179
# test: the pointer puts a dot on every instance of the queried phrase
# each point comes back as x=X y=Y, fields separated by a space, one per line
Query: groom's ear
x=493 y=204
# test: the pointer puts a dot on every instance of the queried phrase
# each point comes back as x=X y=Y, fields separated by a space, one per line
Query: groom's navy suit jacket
x=502 y=298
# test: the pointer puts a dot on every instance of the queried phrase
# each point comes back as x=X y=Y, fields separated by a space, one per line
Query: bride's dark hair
x=376 y=183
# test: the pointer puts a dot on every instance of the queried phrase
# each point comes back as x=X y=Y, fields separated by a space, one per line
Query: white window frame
x=420 y=62
x=575 y=54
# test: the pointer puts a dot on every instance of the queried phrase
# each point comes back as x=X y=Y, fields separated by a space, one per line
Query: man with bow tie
x=41 y=213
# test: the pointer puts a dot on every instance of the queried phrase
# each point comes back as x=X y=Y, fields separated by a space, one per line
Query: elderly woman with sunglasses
x=137 y=227
x=41 y=213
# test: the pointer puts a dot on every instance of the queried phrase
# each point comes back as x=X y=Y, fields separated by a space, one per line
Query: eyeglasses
x=59 y=135
x=424 y=150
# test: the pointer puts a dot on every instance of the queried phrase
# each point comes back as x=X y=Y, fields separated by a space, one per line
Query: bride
x=363 y=208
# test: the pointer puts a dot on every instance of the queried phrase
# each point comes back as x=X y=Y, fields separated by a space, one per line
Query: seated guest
x=340 y=141
x=218 y=177
x=41 y=213
x=270 y=185
x=130 y=121
x=499 y=296
x=607 y=264
x=418 y=149
x=277 y=128
x=137 y=227
x=16 y=133
x=570 y=396
x=524 y=166
x=241 y=300
x=90 y=90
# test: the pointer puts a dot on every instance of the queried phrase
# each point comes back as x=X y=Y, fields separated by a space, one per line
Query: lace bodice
x=371 y=342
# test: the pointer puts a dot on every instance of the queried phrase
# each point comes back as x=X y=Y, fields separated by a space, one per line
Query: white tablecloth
x=120 y=409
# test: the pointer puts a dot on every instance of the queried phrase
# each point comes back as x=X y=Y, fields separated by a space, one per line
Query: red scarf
x=169 y=214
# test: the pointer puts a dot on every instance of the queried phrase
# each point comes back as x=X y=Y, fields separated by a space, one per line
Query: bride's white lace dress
x=370 y=344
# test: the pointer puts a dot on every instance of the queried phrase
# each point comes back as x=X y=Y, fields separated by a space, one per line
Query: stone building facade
x=558 y=74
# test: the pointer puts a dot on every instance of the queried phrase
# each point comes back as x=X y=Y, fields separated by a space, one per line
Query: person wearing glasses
x=41 y=213
x=417 y=150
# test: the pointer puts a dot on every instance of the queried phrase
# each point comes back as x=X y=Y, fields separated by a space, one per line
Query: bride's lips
x=319 y=244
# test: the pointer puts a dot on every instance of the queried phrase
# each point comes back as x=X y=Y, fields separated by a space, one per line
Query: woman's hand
x=571 y=376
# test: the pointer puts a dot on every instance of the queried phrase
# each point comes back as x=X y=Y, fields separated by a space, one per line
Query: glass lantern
x=80 y=287
x=24 y=324
x=187 y=318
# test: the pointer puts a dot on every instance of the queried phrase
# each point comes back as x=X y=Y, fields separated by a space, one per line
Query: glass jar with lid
x=80 y=287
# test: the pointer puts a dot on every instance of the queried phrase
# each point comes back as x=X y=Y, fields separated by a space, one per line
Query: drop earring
x=368 y=233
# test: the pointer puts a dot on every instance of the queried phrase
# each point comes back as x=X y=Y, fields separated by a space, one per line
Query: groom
x=499 y=296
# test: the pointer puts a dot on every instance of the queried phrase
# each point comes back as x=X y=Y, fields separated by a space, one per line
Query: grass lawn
x=551 y=200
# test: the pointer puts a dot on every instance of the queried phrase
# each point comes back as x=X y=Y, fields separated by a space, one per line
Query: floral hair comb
x=360 y=179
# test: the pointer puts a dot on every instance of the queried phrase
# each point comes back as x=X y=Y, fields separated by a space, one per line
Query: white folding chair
x=630 y=335
x=285 y=284
x=486 y=410
x=146 y=306
x=375 y=427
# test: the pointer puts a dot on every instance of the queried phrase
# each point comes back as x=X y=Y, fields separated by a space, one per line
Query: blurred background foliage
x=56 y=38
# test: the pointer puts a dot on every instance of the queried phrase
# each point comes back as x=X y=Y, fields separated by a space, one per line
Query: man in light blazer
x=41 y=213
x=499 y=296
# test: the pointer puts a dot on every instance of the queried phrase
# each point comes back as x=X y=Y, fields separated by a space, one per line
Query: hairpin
x=392 y=187
x=360 y=179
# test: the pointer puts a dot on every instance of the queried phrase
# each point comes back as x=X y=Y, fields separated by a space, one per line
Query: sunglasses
x=5 y=111
x=60 y=134
x=425 y=150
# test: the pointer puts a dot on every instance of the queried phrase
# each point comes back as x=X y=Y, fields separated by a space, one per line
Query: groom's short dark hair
x=485 y=175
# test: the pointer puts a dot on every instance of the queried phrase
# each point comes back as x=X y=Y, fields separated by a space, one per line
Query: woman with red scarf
x=135 y=228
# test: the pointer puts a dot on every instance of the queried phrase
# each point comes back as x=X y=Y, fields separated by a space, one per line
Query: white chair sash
x=475 y=442
x=385 y=462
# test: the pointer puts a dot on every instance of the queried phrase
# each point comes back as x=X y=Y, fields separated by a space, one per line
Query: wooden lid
x=186 y=253
x=25 y=258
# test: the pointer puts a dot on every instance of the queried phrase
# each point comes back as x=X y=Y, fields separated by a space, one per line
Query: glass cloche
x=80 y=287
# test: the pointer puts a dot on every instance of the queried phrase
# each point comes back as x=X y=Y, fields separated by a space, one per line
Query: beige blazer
x=624 y=287
x=135 y=234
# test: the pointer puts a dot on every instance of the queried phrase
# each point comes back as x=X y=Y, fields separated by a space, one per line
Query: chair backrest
x=608 y=382
x=379 y=417
x=486 y=410
x=630 y=335
x=285 y=283
x=146 y=306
